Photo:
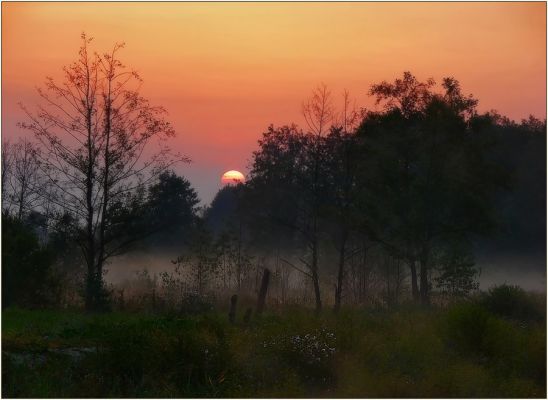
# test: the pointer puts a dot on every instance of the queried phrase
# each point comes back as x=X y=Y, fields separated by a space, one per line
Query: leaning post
x=262 y=292
x=232 y=312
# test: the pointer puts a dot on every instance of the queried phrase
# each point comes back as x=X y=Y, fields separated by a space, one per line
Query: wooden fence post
x=232 y=312
x=262 y=292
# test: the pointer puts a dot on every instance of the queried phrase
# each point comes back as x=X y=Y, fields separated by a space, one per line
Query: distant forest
x=357 y=207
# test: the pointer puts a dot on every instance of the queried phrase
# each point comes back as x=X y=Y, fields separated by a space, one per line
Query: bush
x=513 y=302
x=27 y=274
x=507 y=348
x=464 y=327
x=136 y=358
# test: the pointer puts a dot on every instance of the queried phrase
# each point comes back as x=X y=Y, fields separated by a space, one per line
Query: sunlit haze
x=225 y=71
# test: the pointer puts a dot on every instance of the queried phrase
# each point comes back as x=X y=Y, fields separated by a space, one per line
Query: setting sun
x=232 y=177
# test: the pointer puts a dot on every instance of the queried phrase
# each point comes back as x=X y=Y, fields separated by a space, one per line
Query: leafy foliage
x=28 y=277
x=457 y=274
x=171 y=207
x=513 y=302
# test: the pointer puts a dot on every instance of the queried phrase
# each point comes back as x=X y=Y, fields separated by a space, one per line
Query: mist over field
x=526 y=271
x=531 y=275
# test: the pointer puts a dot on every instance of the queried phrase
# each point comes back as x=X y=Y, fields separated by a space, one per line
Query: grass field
x=467 y=350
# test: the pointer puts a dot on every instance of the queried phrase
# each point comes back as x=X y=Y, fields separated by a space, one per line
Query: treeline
x=359 y=206
x=363 y=202
x=375 y=206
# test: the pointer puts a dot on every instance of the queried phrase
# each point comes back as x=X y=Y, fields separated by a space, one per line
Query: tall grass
x=467 y=350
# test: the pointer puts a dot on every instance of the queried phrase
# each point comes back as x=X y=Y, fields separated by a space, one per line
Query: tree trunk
x=91 y=292
x=398 y=281
x=90 y=250
x=232 y=312
x=388 y=294
x=315 y=277
x=262 y=293
x=363 y=283
x=414 y=283
x=340 y=274
x=21 y=201
x=424 y=290
x=106 y=192
x=90 y=287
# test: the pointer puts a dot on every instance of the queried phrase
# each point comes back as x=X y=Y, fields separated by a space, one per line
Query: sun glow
x=232 y=177
x=252 y=64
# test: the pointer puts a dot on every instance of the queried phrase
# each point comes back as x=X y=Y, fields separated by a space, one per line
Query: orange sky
x=225 y=71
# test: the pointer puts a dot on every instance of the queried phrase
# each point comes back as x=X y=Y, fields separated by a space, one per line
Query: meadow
x=493 y=345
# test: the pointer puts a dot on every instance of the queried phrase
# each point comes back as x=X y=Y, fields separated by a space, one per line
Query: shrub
x=27 y=275
x=506 y=348
x=513 y=302
x=188 y=356
x=464 y=327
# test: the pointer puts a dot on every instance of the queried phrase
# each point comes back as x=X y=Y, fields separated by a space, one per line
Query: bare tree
x=341 y=160
x=94 y=127
x=23 y=181
x=7 y=165
x=318 y=110
x=349 y=116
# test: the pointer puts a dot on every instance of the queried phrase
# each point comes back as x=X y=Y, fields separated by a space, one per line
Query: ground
x=465 y=350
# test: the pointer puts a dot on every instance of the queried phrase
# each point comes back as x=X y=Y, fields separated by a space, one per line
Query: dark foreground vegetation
x=491 y=346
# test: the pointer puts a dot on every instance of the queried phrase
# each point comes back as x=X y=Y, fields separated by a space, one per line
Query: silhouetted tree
x=223 y=212
x=7 y=165
x=520 y=149
x=426 y=169
x=319 y=111
x=286 y=177
x=171 y=207
x=94 y=128
x=319 y=114
x=341 y=161
x=22 y=181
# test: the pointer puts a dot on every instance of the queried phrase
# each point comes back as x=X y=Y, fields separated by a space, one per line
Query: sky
x=225 y=71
